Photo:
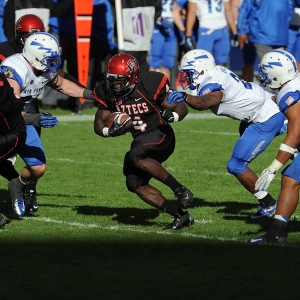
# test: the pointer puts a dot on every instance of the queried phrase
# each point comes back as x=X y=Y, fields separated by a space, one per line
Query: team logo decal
x=8 y=73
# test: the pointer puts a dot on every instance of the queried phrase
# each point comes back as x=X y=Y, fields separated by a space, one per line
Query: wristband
x=88 y=94
x=286 y=148
x=275 y=166
x=105 y=131
x=176 y=116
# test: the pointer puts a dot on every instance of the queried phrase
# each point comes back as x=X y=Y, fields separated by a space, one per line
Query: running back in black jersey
x=143 y=104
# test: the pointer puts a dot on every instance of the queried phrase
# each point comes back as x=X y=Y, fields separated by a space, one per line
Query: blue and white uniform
x=213 y=32
x=164 y=42
x=247 y=102
x=17 y=68
x=287 y=97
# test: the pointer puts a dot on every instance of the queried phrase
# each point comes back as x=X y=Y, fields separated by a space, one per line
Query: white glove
x=265 y=179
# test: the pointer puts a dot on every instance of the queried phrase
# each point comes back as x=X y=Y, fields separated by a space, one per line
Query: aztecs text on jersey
x=143 y=104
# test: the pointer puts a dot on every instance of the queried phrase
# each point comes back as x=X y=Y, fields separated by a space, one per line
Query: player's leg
x=34 y=157
x=252 y=143
x=206 y=39
x=221 y=47
x=287 y=204
x=150 y=150
x=156 y=50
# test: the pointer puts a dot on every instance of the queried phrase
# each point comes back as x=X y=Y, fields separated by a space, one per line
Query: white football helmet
x=195 y=65
x=276 y=68
x=43 y=52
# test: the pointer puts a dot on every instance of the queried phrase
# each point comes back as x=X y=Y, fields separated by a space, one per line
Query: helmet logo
x=41 y=46
x=131 y=65
x=271 y=64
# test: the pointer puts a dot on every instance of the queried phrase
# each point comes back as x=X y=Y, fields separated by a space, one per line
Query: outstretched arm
x=196 y=102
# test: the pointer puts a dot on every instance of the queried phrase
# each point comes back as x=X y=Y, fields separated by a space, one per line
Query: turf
x=92 y=239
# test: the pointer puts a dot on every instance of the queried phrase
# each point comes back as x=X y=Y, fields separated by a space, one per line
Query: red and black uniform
x=12 y=124
x=153 y=136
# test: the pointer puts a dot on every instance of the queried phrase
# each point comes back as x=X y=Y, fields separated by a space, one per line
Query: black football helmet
x=25 y=26
x=122 y=74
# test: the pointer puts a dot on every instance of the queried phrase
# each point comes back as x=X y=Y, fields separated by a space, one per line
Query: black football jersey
x=11 y=120
x=143 y=104
x=8 y=48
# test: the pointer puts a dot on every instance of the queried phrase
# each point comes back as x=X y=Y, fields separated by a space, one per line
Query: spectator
x=164 y=41
x=265 y=24
x=103 y=46
x=139 y=17
x=213 y=34
x=294 y=36
x=3 y=37
x=248 y=49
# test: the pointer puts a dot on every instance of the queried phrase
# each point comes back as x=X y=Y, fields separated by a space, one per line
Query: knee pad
x=236 y=166
x=133 y=183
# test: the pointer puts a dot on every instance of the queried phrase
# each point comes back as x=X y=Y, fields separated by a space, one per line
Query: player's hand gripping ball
x=118 y=123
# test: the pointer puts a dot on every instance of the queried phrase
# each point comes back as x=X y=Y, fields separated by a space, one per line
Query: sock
x=18 y=187
x=264 y=198
x=281 y=218
x=172 y=183
x=8 y=170
x=171 y=209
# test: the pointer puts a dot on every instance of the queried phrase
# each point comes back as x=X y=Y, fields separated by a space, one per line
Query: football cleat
x=179 y=221
x=17 y=200
x=272 y=236
x=30 y=198
x=185 y=196
x=2 y=221
x=265 y=211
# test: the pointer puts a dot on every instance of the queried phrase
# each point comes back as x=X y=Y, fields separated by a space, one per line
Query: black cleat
x=2 y=221
x=271 y=237
x=30 y=198
x=185 y=196
x=179 y=222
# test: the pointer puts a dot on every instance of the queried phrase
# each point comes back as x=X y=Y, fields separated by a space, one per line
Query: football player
x=143 y=97
x=12 y=126
x=28 y=72
x=278 y=69
x=24 y=27
x=226 y=94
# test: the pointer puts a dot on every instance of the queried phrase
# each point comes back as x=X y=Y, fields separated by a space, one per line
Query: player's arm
x=15 y=86
x=70 y=88
x=173 y=113
x=100 y=122
x=204 y=102
x=196 y=102
x=190 y=18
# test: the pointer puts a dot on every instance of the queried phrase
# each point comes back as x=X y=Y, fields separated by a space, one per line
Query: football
x=122 y=118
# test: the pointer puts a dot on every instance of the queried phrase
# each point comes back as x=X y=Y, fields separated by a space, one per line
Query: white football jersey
x=289 y=94
x=242 y=100
x=16 y=67
x=211 y=14
x=167 y=10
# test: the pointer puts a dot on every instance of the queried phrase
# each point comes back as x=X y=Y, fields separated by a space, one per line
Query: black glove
x=119 y=129
x=188 y=44
x=168 y=116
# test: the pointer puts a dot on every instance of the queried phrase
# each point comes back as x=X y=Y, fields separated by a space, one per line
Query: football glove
x=47 y=120
x=181 y=39
x=165 y=23
x=168 y=116
x=188 y=43
x=119 y=129
x=176 y=97
x=265 y=179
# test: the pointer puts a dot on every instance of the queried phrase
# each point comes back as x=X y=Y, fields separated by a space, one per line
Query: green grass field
x=92 y=239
